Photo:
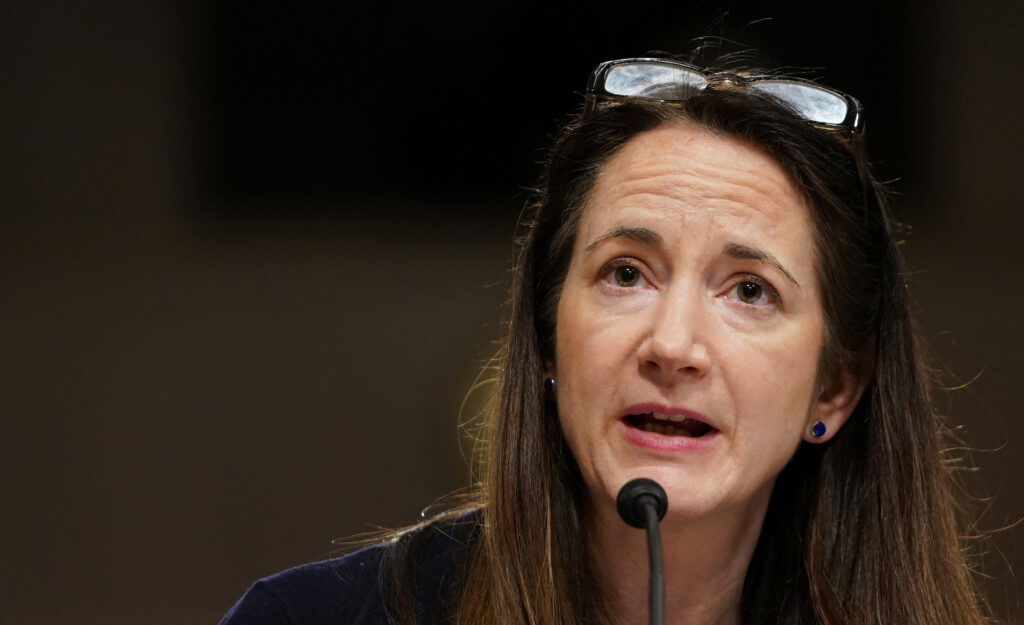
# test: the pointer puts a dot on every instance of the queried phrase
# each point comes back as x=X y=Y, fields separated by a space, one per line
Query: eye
x=626 y=275
x=749 y=292
x=754 y=291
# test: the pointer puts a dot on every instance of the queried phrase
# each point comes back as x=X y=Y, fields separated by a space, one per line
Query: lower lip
x=663 y=442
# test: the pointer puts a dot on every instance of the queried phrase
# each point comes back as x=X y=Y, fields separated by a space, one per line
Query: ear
x=839 y=397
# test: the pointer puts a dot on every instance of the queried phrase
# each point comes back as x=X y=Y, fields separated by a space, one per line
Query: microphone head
x=635 y=495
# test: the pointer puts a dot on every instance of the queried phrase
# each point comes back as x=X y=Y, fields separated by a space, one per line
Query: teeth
x=658 y=428
x=668 y=417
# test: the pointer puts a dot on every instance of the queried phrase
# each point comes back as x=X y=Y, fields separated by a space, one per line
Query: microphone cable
x=642 y=504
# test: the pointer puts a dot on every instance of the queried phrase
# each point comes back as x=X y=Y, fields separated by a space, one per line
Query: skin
x=691 y=288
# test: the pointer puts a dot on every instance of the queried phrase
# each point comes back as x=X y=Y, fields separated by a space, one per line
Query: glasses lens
x=657 y=81
x=813 y=103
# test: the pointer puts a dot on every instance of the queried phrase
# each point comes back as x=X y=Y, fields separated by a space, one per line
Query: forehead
x=679 y=173
x=688 y=162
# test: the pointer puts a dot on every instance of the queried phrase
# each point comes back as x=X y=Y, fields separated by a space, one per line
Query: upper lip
x=663 y=409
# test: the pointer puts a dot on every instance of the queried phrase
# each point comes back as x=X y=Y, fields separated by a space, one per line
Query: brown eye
x=626 y=275
x=749 y=292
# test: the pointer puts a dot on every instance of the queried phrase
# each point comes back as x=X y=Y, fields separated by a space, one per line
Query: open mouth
x=669 y=425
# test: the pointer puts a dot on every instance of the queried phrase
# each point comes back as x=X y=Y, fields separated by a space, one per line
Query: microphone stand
x=656 y=592
x=642 y=503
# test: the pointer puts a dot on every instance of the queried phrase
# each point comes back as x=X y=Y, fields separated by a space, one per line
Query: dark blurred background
x=254 y=255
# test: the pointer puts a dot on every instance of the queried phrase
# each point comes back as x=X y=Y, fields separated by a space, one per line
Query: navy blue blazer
x=350 y=590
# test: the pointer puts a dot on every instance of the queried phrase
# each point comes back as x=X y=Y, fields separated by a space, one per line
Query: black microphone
x=642 y=503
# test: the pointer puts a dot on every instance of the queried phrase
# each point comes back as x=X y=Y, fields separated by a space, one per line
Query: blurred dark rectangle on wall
x=413 y=99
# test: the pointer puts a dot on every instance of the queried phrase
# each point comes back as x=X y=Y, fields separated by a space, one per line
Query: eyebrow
x=740 y=251
x=640 y=235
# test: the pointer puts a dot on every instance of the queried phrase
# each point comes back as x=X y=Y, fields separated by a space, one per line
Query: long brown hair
x=860 y=530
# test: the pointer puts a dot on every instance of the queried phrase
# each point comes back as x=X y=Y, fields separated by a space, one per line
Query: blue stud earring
x=818 y=429
x=549 y=384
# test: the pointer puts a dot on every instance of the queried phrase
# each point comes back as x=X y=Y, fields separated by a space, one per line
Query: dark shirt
x=349 y=590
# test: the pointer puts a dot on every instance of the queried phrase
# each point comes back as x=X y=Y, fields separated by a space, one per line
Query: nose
x=676 y=341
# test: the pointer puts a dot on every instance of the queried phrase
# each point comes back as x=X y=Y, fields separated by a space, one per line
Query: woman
x=709 y=295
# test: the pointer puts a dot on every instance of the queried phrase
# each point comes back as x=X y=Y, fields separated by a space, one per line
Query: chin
x=689 y=498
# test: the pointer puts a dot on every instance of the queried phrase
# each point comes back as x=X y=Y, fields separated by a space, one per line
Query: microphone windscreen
x=633 y=496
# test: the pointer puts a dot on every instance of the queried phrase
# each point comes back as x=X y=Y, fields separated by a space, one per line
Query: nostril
x=692 y=363
x=687 y=357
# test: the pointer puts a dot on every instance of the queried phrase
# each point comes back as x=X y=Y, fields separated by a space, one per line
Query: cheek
x=590 y=349
x=584 y=369
x=572 y=328
x=778 y=375
x=571 y=358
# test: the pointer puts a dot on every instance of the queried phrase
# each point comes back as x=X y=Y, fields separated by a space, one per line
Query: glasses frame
x=721 y=81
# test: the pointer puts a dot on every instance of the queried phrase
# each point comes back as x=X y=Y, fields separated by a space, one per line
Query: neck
x=705 y=562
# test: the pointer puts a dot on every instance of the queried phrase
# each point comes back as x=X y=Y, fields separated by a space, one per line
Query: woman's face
x=690 y=325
